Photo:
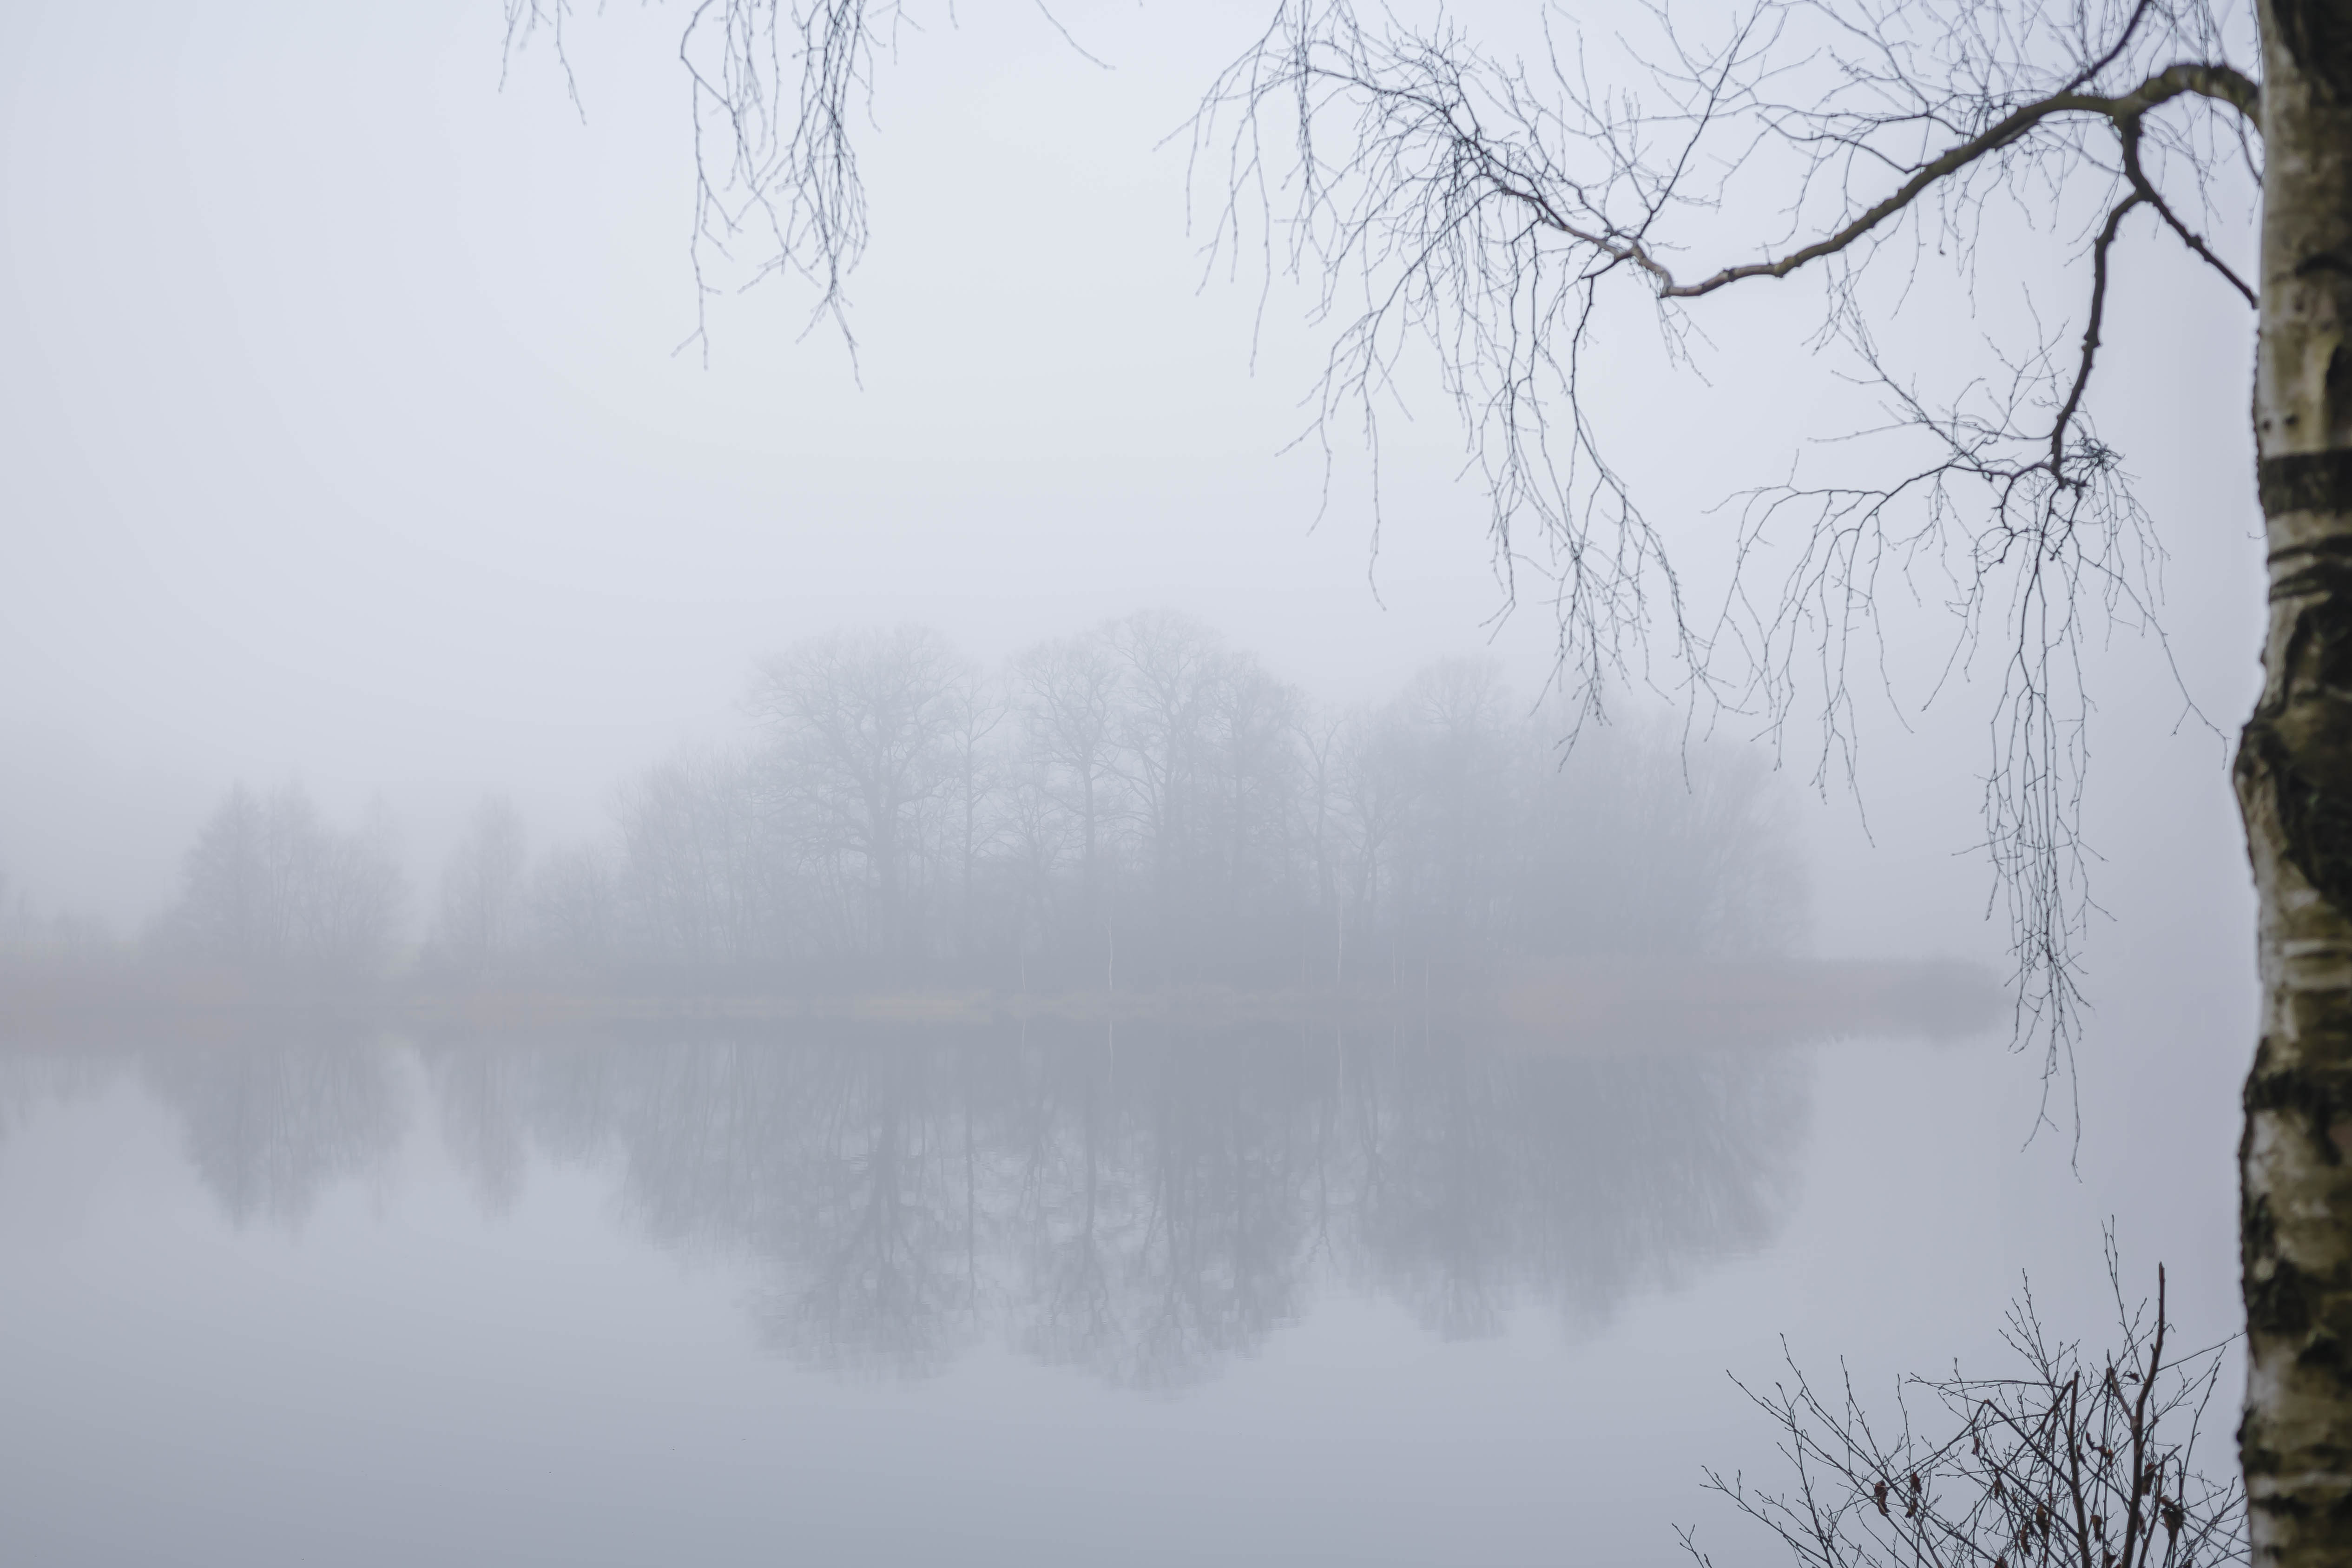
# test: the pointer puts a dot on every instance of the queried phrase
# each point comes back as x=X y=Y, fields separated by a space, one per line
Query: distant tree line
x=1136 y=805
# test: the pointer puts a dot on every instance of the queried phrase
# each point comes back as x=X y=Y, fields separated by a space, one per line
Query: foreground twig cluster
x=2082 y=1458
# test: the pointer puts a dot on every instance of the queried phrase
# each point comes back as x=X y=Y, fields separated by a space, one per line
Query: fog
x=1144 y=1216
x=895 y=814
x=959 y=909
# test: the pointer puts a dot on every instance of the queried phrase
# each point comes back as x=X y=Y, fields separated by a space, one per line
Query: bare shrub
x=2080 y=1457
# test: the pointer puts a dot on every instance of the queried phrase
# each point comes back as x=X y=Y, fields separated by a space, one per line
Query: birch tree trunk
x=2295 y=786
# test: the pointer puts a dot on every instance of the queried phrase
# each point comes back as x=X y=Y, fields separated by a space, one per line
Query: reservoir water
x=324 y=1293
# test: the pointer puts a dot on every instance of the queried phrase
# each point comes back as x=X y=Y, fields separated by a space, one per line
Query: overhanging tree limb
x=1483 y=209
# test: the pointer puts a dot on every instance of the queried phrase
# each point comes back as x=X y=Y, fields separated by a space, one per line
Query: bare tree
x=2088 y=1461
x=978 y=709
x=573 y=913
x=1256 y=772
x=356 y=895
x=1170 y=665
x=692 y=870
x=863 y=727
x=1457 y=843
x=1071 y=699
x=482 y=889
x=271 y=888
x=1318 y=735
x=1377 y=789
x=1467 y=205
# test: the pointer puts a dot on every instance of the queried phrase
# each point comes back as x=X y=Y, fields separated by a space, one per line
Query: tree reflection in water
x=269 y=1125
x=1144 y=1207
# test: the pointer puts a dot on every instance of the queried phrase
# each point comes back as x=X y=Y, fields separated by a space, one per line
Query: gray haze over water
x=344 y=452
x=1154 y=1294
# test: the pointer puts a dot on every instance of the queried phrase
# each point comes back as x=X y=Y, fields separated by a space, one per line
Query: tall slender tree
x=1070 y=691
x=482 y=889
x=865 y=722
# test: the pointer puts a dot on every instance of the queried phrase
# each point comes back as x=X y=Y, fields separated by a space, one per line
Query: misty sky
x=344 y=440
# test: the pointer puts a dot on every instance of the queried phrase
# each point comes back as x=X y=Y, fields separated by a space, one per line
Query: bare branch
x=1483 y=209
x=1471 y=214
x=2067 y=1460
x=2212 y=81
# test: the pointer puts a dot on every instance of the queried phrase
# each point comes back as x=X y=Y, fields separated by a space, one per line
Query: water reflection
x=270 y=1123
x=1143 y=1206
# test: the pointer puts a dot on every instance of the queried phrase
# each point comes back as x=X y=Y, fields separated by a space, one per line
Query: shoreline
x=1534 y=1005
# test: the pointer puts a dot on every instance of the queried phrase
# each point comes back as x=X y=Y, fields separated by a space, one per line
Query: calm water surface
x=1294 y=1295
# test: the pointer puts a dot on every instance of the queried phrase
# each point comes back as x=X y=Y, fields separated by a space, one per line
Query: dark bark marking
x=2318 y=37
x=2278 y=1299
x=2310 y=481
x=2321 y=1096
x=2315 y=817
x=2312 y=1313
